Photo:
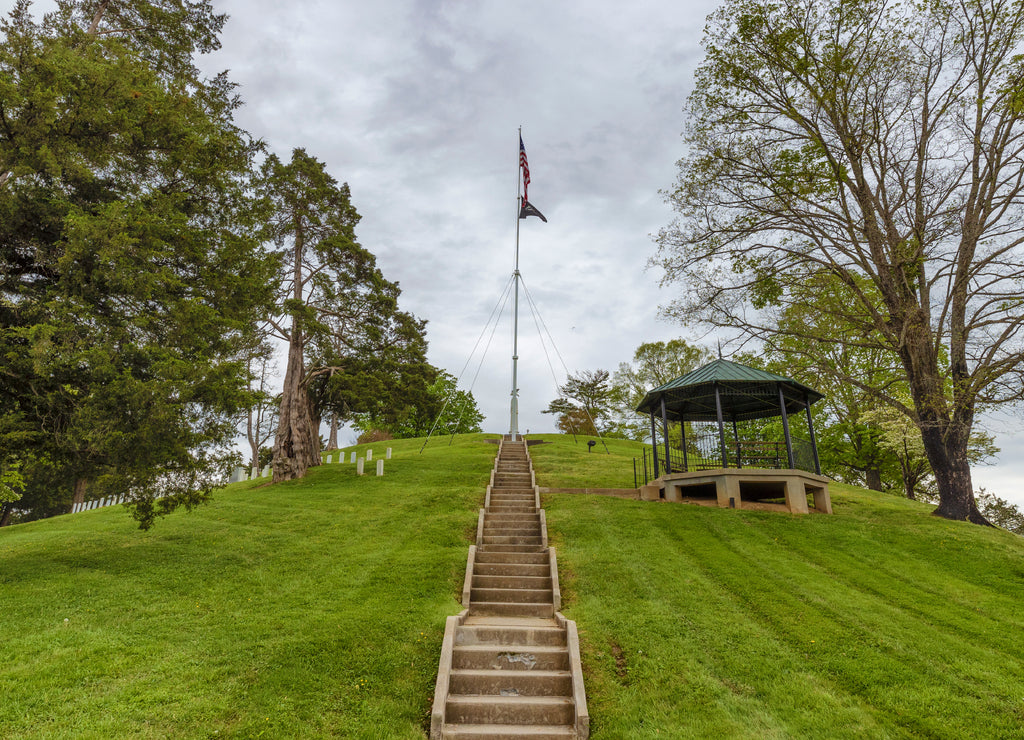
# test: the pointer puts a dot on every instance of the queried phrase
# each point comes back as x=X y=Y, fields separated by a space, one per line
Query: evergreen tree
x=130 y=271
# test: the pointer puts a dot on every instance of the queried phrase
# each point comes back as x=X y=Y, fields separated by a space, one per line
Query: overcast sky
x=417 y=105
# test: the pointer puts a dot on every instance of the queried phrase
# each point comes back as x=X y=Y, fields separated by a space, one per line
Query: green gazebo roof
x=745 y=393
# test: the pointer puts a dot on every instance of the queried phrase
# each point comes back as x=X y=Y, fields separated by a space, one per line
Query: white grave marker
x=387 y=454
x=380 y=467
x=359 y=466
x=369 y=454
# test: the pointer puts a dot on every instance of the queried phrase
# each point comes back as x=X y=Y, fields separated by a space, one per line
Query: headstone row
x=97 y=503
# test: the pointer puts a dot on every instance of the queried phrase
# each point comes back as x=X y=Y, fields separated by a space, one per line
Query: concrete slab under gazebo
x=732 y=473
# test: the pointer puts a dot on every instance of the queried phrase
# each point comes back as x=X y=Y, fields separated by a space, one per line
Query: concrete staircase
x=510 y=665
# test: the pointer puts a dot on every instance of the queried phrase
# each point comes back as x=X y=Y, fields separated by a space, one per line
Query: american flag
x=525 y=166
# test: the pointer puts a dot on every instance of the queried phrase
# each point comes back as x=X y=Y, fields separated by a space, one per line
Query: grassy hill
x=315 y=609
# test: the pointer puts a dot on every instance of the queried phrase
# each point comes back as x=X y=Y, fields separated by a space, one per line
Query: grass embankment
x=565 y=462
x=316 y=608
x=309 y=609
x=881 y=621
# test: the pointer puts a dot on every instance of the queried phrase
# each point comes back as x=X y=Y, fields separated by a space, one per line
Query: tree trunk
x=947 y=453
x=873 y=478
x=297 y=444
x=6 y=511
x=332 y=437
x=252 y=433
x=81 y=484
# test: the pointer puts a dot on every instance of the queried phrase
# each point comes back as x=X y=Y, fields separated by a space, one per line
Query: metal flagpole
x=513 y=429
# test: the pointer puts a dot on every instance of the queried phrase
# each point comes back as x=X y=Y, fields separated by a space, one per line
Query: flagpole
x=513 y=429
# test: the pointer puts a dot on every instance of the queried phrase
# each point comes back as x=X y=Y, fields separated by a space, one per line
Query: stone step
x=520 y=633
x=492 y=531
x=518 y=558
x=514 y=580
x=510 y=569
x=511 y=595
x=509 y=732
x=510 y=657
x=513 y=516
x=484 y=547
x=518 y=539
x=510 y=609
x=519 y=710
x=491 y=682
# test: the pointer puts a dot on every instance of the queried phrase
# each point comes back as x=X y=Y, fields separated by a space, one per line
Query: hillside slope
x=881 y=621
x=315 y=609
x=310 y=609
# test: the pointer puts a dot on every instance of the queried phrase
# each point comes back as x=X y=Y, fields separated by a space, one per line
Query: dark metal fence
x=704 y=452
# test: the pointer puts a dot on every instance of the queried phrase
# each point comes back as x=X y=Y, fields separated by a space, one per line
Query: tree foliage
x=653 y=365
x=439 y=407
x=129 y=264
x=876 y=148
x=584 y=404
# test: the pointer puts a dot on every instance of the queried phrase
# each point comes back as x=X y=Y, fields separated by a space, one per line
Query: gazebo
x=741 y=469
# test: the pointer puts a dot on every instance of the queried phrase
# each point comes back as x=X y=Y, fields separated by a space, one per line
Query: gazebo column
x=664 y=428
x=654 y=445
x=785 y=427
x=736 y=439
x=721 y=427
x=814 y=442
x=686 y=459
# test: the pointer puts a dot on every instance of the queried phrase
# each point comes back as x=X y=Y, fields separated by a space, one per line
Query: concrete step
x=510 y=569
x=533 y=531
x=519 y=710
x=511 y=595
x=510 y=657
x=510 y=609
x=513 y=516
x=513 y=580
x=510 y=548
x=519 y=539
x=491 y=682
x=511 y=632
x=509 y=732
x=505 y=558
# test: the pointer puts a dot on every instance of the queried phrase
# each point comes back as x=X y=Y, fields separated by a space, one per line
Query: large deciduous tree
x=879 y=144
x=130 y=270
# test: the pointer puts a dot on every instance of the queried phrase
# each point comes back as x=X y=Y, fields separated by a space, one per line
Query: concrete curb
x=467 y=582
x=444 y=673
x=556 y=590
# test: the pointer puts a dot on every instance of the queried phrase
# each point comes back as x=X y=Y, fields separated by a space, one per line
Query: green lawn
x=316 y=609
x=310 y=609
x=881 y=621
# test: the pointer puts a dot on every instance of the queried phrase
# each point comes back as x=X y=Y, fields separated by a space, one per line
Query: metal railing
x=704 y=452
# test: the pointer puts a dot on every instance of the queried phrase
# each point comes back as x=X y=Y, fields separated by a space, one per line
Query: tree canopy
x=131 y=268
x=875 y=149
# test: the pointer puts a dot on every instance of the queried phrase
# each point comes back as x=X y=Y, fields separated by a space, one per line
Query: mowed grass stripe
x=309 y=609
x=881 y=621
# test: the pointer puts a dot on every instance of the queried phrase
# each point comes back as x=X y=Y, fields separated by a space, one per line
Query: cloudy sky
x=417 y=104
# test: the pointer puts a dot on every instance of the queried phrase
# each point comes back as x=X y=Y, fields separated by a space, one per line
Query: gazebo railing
x=704 y=452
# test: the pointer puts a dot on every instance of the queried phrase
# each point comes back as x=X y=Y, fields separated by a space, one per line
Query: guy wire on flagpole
x=514 y=421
